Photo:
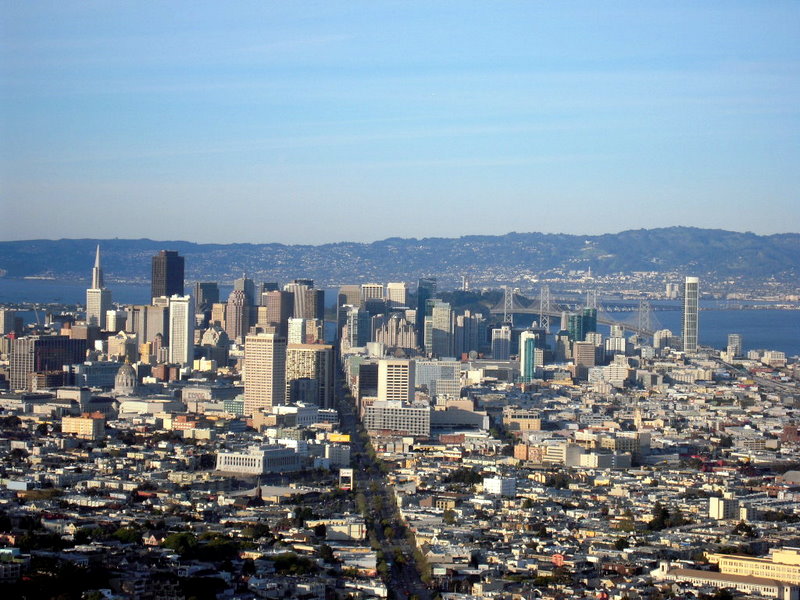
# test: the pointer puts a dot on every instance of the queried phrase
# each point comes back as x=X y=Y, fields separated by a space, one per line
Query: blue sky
x=303 y=122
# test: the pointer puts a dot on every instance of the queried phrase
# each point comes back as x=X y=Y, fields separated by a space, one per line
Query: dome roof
x=126 y=380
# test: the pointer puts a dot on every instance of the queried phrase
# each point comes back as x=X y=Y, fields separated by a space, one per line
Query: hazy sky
x=304 y=122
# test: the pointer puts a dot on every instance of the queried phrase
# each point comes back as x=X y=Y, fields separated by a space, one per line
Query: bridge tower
x=508 y=304
x=544 y=308
x=645 y=324
x=591 y=298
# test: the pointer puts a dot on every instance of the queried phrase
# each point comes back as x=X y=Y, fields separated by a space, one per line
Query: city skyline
x=529 y=117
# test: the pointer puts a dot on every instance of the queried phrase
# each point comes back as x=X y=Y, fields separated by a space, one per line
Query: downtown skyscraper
x=167 y=274
x=691 y=294
x=98 y=298
x=181 y=330
x=426 y=289
x=264 y=372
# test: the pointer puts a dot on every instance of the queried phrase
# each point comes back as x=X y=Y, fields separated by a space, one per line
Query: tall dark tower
x=167 y=274
x=426 y=289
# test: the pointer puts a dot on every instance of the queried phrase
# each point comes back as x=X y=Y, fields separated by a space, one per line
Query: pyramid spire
x=97 y=271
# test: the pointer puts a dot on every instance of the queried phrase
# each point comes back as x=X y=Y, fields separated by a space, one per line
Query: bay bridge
x=640 y=321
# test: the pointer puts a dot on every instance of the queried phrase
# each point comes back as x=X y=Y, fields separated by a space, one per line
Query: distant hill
x=485 y=258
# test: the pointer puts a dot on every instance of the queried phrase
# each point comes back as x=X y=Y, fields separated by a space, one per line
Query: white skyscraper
x=314 y=363
x=397 y=294
x=98 y=298
x=691 y=294
x=735 y=344
x=396 y=380
x=442 y=323
x=264 y=372
x=371 y=290
x=297 y=330
x=501 y=343
x=181 y=330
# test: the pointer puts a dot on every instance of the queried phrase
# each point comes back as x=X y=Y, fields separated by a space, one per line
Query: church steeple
x=97 y=272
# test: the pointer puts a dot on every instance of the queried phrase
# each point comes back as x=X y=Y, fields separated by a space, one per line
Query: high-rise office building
x=397 y=294
x=167 y=278
x=277 y=307
x=313 y=362
x=42 y=354
x=426 y=289
x=264 y=372
x=439 y=377
x=248 y=287
x=408 y=419
x=315 y=305
x=308 y=302
x=615 y=346
x=349 y=295
x=584 y=354
x=7 y=320
x=206 y=294
x=661 y=338
x=299 y=294
x=237 y=315
x=375 y=306
x=297 y=331
x=442 y=323
x=469 y=334
x=148 y=321
x=580 y=324
x=575 y=327
x=734 y=344
x=527 y=355
x=563 y=347
x=691 y=295
x=181 y=330
x=115 y=320
x=371 y=290
x=98 y=303
x=218 y=310
x=396 y=380
x=396 y=332
x=501 y=343
x=359 y=327
x=98 y=298
x=672 y=290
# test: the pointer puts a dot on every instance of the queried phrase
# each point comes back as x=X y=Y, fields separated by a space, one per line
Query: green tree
x=255 y=531
x=18 y=455
x=10 y=422
x=183 y=543
x=128 y=535
x=464 y=475
x=745 y=530
x=326 y=553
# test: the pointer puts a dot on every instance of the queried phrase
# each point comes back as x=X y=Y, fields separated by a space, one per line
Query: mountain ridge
x=486 y=258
